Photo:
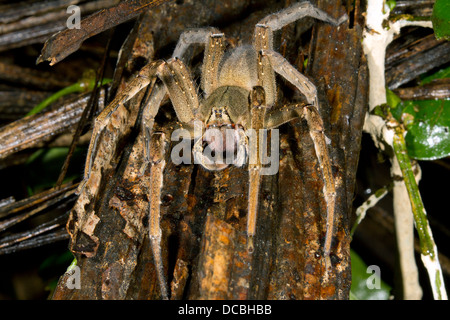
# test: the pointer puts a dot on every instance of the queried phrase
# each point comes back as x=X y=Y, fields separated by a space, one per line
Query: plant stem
x=413 y=191
x=83 y=85
x=427 y=246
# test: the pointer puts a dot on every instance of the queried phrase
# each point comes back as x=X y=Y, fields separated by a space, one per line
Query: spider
x=239 y=95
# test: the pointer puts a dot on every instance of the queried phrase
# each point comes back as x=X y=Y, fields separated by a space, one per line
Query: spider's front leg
x=108 y=126
x=258 y=114
x=176 y=80
x=178 y=83
x=315 y=123
x=271 y=61
x=316 y=130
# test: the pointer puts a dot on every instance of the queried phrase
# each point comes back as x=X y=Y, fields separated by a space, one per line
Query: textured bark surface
x=204 y=213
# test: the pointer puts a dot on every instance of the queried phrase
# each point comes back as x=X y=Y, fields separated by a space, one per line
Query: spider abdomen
x=239 y=68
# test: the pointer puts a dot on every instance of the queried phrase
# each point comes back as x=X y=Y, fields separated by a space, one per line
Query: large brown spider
x=239 y=93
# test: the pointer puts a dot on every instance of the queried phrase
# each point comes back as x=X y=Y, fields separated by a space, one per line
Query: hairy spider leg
x=142 y=80
x=146 y=77
x=157 y=148
x=258 y=112
x=213 y=40
x=311 y=114
x=177 y=81
x=175 y=77
x=263 y=39
x=270 y=62
x=294 y=13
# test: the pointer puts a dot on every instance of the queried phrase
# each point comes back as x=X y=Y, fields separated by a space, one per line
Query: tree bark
x=204 y=213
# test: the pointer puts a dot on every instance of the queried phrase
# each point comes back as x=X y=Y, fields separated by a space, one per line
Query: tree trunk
x=204 y=213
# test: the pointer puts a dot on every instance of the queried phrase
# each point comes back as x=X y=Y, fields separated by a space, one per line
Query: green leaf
x=428 y=134
x=391 y=4
x=394 y=103
x=305 y=63
x=392 y=99
x=441 y=19
x=441 y=74
x=361 y=277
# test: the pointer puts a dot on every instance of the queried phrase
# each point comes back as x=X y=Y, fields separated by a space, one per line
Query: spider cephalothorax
x=223 y=141
x=238 y=103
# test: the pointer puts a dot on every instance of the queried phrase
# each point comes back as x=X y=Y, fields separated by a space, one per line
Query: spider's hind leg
x=263 y=39
x=110 y=116
x=286 y=16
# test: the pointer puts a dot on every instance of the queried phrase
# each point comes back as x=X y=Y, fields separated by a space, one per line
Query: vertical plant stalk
x=376 y=39
x=428 y=247
x=404 y=230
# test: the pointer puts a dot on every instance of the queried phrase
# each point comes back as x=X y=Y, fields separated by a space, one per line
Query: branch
x=63 y=43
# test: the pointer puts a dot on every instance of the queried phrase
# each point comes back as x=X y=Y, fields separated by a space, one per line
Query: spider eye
x=211 y=126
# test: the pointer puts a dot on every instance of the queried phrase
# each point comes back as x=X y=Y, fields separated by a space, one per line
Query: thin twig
x=369 y=203
x=62 y=44
x=428 y=248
